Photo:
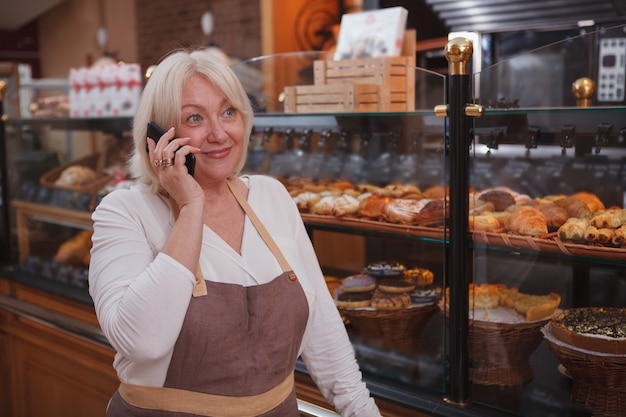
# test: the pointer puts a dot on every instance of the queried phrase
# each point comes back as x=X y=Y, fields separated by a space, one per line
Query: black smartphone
x=155 y=132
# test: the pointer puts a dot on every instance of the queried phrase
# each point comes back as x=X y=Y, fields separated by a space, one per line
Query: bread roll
x=619 y=237
x=610 y=218
x=605 y=235
x=573 y=229
x=591 y=234
x=499 y=198
x=555 y=216
x=76 y=175
x=75 y=250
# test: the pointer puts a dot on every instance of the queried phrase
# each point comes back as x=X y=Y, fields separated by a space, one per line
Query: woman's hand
x=171 y=170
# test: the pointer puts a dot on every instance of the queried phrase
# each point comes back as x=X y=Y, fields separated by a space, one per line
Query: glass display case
x=356 y=177
x=409 y=180
x=546 y=144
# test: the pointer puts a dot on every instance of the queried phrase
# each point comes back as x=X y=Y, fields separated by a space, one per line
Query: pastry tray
x=547 y=244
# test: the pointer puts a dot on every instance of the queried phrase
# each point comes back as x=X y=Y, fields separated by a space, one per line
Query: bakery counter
x=49 y=337
x=52 y=346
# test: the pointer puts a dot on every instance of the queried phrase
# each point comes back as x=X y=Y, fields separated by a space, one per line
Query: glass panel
x=542 y=157
x=358 y=170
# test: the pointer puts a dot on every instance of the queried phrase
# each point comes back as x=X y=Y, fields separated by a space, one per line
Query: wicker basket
x=92 y=161
x=598 y=381
x=399 y=330
x=499 y=352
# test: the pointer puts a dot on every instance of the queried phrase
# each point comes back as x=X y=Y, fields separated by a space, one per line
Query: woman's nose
x=217 y=132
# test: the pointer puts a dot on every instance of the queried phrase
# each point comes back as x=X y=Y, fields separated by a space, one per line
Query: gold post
x=583 y=89
x=458 y=52
x=3 y=88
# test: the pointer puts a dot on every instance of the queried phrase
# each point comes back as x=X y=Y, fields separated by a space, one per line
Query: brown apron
x=238 y=344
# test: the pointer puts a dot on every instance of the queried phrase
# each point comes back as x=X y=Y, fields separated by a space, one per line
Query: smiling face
x=214 y=126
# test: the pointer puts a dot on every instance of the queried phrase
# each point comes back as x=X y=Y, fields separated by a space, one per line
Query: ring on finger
x=167 y=162
x=158 y=162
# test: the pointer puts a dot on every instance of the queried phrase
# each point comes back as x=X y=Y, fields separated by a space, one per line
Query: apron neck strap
x=200 y=288
x=258 y=225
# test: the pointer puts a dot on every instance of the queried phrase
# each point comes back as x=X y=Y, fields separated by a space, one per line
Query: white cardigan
x=141 y=295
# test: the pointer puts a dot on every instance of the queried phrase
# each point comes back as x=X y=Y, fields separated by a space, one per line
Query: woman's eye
x=230 y=112
x=194 y=118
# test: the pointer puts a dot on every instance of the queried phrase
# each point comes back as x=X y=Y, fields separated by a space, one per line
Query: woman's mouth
x=218 y=153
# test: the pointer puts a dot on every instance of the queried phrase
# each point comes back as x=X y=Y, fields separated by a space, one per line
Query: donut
x=345 y=299
x=385 y=269
x=422 y=276
x=396 y=284
x=390 y=301
x=358 y=283
x=332 y=283
x=428 y=294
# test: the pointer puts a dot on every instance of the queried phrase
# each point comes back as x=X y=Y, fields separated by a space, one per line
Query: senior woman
x=207 y=286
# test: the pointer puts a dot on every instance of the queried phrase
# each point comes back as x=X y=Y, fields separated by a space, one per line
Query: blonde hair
x=161 y=103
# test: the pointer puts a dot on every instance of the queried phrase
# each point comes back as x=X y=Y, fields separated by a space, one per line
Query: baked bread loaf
x=74 y=251
x=555 y=216
x=500 y=199
x=76 y=175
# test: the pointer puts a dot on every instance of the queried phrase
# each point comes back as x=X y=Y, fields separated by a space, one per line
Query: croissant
x=574 y=207
x=592 y=201
x=373 y=207
x=527 y=221
x=484 y=222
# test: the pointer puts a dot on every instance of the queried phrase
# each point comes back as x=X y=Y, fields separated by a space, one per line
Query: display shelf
x=110 y=125
x=27 y=211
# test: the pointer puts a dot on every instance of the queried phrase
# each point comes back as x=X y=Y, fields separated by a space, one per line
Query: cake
x=592 y=328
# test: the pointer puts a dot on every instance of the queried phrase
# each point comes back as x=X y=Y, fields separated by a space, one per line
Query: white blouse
x=141 y=295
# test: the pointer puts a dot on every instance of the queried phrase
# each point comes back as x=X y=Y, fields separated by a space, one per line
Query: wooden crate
x=395 y=75
x=345 y=98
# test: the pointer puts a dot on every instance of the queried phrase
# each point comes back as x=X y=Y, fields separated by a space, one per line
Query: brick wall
x=237 y=27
